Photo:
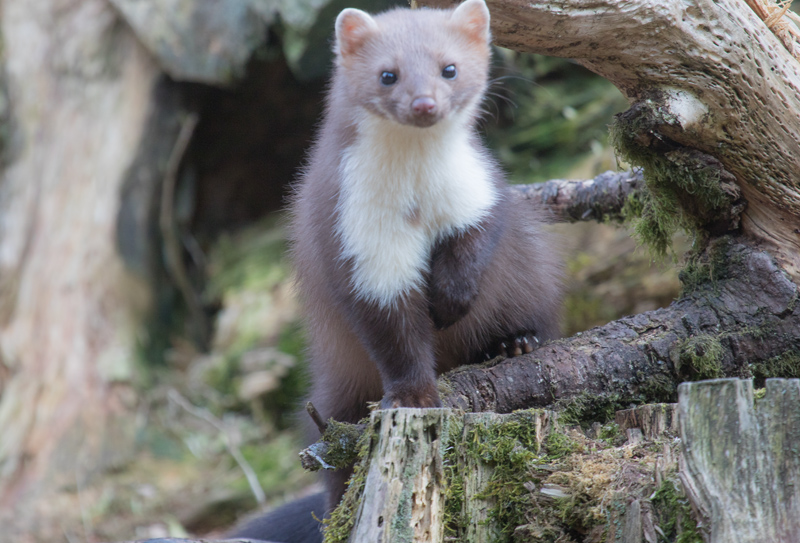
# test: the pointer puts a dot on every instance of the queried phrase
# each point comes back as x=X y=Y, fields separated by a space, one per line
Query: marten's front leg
x=457 y=265
x=399 y=338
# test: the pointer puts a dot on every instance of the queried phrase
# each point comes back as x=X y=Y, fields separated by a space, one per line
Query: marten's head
x=415 y=67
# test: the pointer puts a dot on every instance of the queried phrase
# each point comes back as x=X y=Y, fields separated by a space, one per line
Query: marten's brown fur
x=411 y=255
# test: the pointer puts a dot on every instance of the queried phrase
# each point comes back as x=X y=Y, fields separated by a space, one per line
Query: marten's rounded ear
x=473 y=17
x=352 y=28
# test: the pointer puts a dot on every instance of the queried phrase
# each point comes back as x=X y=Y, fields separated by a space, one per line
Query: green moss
x=682 y=186
x=674 y=514
x=707 y=267
x=510 y=448
x=339 y=525
x=611 y=434
x=587 y=408
x=659 y=388
x=785 y=365
x=700 y=357
x=575 y=512
x=453 y=520
x=558 y=445
x=341 y=437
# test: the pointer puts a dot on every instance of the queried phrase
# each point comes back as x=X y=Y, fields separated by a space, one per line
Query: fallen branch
x=598 y=199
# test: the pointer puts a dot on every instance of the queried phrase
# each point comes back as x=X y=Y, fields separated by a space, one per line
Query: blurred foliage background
x=216 y=409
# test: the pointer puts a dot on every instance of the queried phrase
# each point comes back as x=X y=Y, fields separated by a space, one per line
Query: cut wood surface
x=740 y=458
x=404 y=478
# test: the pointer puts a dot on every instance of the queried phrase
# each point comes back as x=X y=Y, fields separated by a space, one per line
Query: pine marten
x=411 y=256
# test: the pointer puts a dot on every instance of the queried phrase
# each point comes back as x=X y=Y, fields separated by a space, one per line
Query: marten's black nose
x=423 y=106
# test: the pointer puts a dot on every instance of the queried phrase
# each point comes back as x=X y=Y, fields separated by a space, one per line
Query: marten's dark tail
x=290 y=523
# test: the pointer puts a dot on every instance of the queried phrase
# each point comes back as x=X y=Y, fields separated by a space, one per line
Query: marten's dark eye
x=388 y=78
x=449 y=72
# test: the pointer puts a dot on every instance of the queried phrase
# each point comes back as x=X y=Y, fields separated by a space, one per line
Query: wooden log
x=599 y=199
x=402 y=499
x=741 y=465
x=418 y=459
x=654 y=420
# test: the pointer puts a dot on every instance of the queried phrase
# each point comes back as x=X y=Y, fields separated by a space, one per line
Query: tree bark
x=739 y=459
x=741 y=320
x=81 y=94
x=599 y=199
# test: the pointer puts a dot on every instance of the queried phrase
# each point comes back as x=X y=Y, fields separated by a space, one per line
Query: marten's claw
x=515 y=345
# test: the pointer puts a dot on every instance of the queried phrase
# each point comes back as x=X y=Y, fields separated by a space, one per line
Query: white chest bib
x=402 y=188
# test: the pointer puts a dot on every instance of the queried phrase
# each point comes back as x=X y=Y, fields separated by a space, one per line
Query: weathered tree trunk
x=740 y=461
x=88 y=125
x=79 y=95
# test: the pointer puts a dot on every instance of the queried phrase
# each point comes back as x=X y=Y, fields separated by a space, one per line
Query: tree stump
x=740 y=459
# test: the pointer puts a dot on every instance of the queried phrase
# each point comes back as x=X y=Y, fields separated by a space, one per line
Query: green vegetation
x=708 y=267
x=785 y=365
x=509 y=448
x=674 y=514
x=339 y=525
x=340 y=438
x=700 y=357
x=257 y=362
x=551 y=117
x=683 y=186
x=586 y=408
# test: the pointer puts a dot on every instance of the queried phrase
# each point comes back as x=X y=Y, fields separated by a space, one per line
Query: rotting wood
x=402 y=498
x=652 y=419
x=740 y=459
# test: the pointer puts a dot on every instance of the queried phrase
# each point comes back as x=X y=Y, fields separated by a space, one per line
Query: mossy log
x=443 y=475
x=738 y=317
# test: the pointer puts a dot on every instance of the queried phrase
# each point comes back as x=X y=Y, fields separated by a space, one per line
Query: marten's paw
x=407 y=397
x=452 y=287
x=447 y=309
x=514 y=345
